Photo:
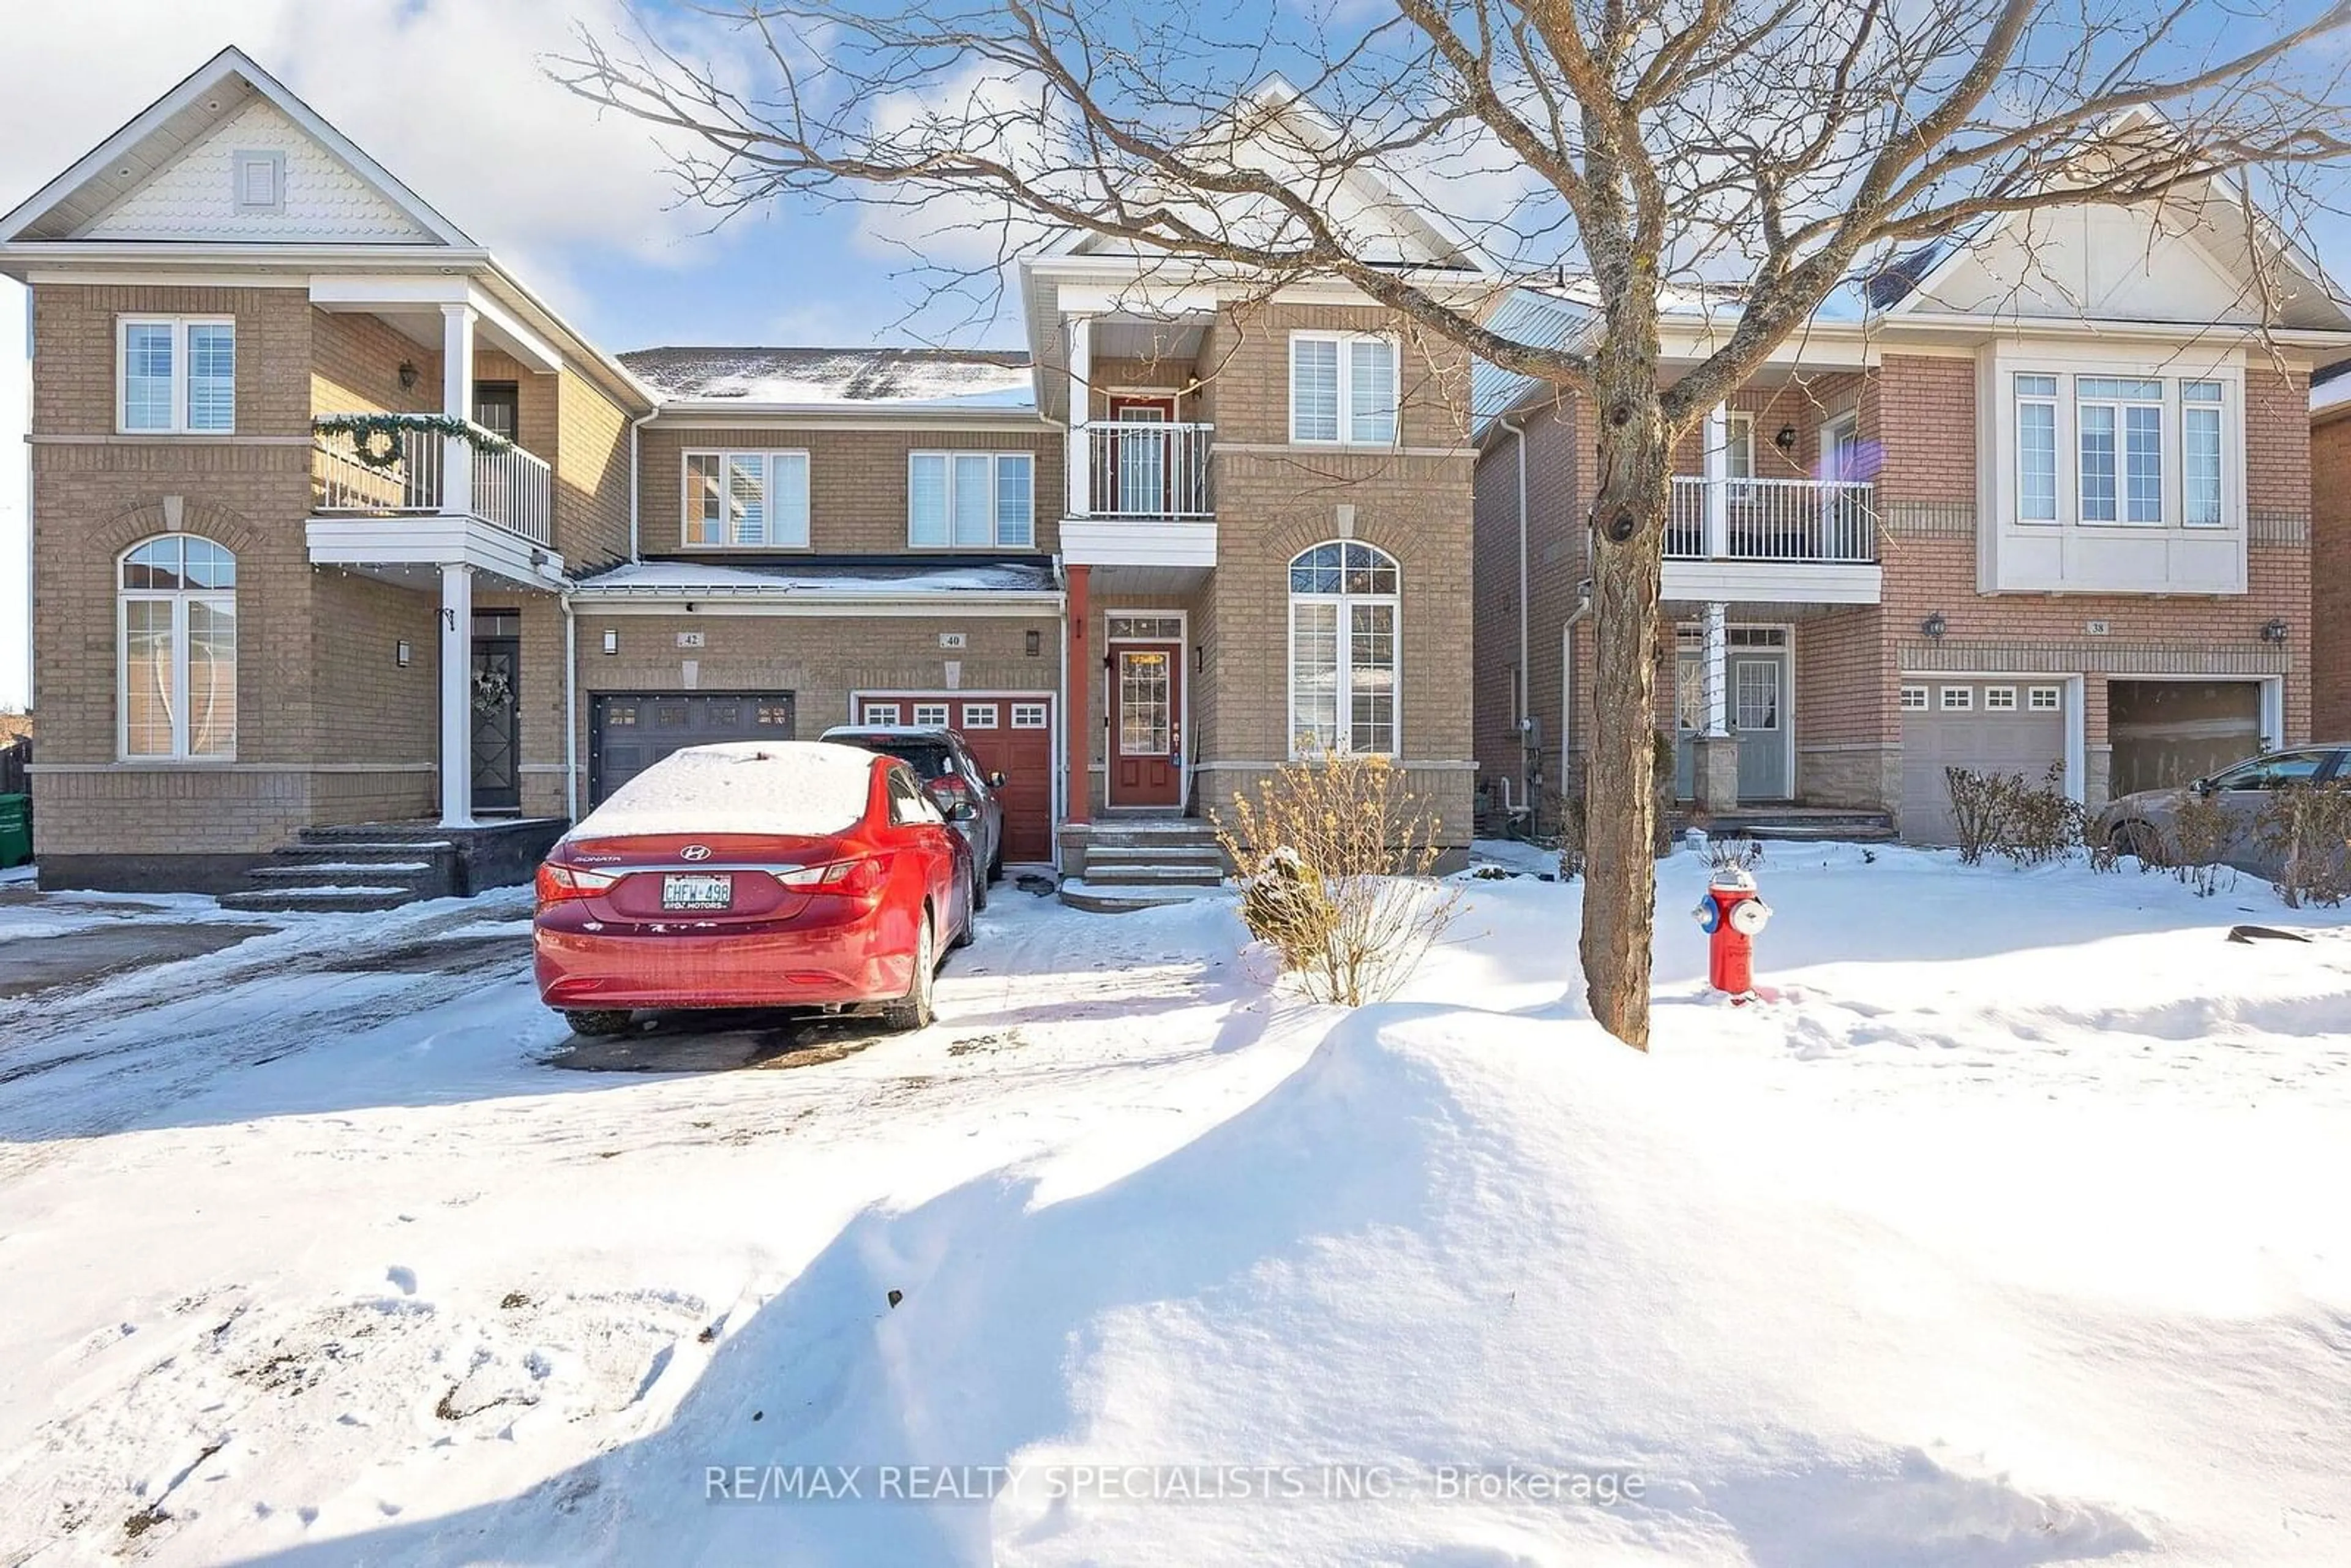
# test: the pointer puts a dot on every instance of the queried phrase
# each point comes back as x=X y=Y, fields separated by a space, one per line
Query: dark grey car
x=950 y=773
x=2141 y=824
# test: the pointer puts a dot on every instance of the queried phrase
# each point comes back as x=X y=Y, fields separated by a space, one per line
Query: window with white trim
x=985 y=500
x=746 y=500
x=930 y=715
x=1145 y=628
x=879 y=712
x=1913 y=699
x=1344 y=611
x=2200 y=441
x=2045 y=699
x=2107 y=450
x=1740 y=454
x=1031 y=716
x=1344 y=388
x=979 y=716
x=2000 y=699
x=176 y=669
x=2119 y=426
x=176 y=375
x=2036 y=449
x=1959 y=699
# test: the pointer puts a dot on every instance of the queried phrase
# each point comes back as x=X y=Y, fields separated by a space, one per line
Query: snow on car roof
x=798 y=788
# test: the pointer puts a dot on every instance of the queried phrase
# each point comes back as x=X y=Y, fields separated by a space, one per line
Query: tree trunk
x=1628 y=526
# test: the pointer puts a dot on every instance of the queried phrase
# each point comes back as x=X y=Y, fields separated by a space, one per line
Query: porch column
x=1716 y=783
x=1718 y=482
x=1080 y=453
x=1078 y=737
x=457 y=696
x=457 y=401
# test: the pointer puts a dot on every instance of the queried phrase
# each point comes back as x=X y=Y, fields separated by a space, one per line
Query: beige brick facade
x=2330 y=576
x=1918 y=421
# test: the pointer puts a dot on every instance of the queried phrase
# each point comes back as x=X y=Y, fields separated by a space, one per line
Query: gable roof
x=227 y=91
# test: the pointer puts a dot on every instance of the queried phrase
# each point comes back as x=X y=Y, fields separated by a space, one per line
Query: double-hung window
x=176 y=375
x=1344 y=605
x=2036 y=449
x=985 y=500
x=746 y=500
x=1342 y=389
x=2118 y=423
x=2200 y=454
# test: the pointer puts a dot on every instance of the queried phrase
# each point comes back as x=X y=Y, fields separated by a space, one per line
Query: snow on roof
x=797 y=787
x=838 y=378
x=2331 y=387
x=849 y=579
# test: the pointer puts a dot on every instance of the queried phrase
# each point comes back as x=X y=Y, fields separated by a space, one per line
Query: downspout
x=570 y=710
x=635 y=553
x=1567 y=673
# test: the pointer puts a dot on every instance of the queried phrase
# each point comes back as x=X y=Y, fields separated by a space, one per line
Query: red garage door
x=1011 y=733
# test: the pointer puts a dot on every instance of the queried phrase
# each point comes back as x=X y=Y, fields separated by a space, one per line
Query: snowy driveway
x=2012 y=1231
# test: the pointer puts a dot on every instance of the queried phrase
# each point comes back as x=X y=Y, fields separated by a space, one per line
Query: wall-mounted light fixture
x=1199 y=657
x=1935 y=625
x=611 y=639
x=2273 y=632
x=408 y=375
x=400 y=653
x=1786 y=438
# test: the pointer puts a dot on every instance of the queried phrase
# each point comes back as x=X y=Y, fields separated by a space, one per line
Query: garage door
x=629 y=731
x=1011 y=733
x=1991 y=726
x=2165 y=733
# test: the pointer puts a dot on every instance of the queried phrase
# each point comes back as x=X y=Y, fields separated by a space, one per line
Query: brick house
x=2039 y=500
x=341 y=535
x=2330 y=551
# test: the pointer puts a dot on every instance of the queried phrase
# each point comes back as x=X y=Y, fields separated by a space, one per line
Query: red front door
x=1146 y=709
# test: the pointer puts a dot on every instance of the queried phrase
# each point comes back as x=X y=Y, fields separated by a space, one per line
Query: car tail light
x=954 y=786
x=841 y=878
x=559 y=882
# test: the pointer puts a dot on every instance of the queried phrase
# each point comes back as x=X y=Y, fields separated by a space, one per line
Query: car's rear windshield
x=930 y=759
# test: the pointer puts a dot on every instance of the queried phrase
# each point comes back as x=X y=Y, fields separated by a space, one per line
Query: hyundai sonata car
x=790 y=873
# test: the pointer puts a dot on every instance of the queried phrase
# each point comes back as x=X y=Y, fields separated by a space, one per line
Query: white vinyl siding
x=176 y=375
x=971 y=500
x=746 y=500
x=1342 y=389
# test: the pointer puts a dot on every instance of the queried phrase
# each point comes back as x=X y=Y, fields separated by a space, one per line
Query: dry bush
x=2306 y=829
x=2043 y=824
x=1337 y=855
x=1733 y=852
x=1980 y=804
x=2201 y=829
x=1567 y=810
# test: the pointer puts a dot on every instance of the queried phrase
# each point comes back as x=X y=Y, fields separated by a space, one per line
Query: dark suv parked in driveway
x=951 y=773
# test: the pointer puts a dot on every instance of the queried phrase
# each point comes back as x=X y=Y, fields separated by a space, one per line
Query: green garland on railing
x=375 y=437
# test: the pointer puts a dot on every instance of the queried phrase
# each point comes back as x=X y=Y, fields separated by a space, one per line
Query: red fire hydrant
x=1733 y=914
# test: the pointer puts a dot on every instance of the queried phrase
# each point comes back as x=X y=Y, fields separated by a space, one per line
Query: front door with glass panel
x=1759 y=716
x=497 y=711
x=1146 y=766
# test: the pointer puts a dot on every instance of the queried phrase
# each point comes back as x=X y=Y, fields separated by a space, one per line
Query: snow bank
x=794 y=788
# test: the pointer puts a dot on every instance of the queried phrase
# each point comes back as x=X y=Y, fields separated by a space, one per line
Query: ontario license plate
x=698 y=890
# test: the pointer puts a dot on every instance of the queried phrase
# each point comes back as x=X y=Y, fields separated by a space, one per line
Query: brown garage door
x=629 y=731
x=2165 y=733
x=1989 y=725
x=1011 y=733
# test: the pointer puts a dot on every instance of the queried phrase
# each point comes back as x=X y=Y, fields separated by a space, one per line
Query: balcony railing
x=1148 y=470
x=508 y=488
x=1820 y=521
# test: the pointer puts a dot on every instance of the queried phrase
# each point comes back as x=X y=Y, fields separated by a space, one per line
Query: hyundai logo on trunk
x=695 y=852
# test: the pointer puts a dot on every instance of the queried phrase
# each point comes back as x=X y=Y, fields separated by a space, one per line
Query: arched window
x=177 y=622
x=1343 y=649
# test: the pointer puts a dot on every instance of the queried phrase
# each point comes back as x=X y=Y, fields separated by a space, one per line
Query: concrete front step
x=1150 y=876
x=359 y=898
x=1081 y=893
x=1155 y=854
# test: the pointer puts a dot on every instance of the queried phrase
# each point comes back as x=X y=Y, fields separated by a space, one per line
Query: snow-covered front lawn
x=2016 y=1230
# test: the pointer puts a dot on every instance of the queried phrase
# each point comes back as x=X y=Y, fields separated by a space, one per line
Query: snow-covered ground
x=2013 y=1231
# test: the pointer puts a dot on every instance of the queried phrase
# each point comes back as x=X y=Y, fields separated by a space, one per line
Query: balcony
x=1774 y=540
x=1140 y=497
x=428 y=496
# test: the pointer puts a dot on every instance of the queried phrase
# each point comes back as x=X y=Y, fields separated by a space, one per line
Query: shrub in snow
x=2031 y=825
x=1339 y=852
x=1734 y=852
x=1567 y=810
x=2306 y=831
x=2201 y=829
x=1979 y=806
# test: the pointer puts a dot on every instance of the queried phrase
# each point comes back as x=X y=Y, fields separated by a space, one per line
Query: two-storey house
x=2039 y=499
x=348 y=549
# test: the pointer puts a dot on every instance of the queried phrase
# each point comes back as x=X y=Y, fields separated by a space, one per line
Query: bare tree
x=1771 y=152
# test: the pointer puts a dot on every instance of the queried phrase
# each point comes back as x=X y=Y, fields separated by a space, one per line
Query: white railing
x=1148 y=470
x=510 y=489
x=1828 y=521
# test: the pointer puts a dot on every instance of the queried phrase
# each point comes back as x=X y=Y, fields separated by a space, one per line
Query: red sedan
x=792 y=873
